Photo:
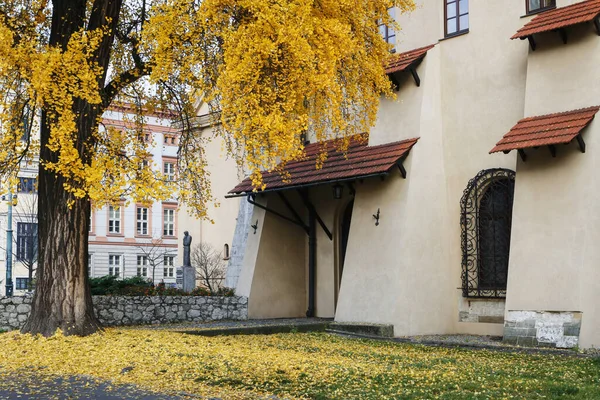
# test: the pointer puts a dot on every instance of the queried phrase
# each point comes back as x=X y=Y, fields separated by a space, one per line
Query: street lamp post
x=9 y=252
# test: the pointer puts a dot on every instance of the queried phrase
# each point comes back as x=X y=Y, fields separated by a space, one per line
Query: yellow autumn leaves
x=272 y=70
x=315 y=366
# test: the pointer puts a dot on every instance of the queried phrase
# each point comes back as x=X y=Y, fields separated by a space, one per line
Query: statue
x=187 y=242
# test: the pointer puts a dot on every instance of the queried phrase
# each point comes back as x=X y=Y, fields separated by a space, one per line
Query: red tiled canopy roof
x=407 y=59
x=559 y=128
x=577 y=13
x=360 y=161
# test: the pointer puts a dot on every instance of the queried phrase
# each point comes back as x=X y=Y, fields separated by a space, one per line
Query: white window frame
x=91 y=265
x=169 y=266
x=169 y=170
x=114 y=219
x=142 y=266
x=141 y=215
x=115 y=269
x=168 y=222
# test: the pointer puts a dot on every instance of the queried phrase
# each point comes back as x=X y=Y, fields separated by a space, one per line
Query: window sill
x=530 y=14
x=169 y=237
x=142 y=236
x=120 y=235
x=461 y=33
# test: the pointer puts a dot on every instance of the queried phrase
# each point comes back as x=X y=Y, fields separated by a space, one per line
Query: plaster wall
x=219 y=226
x=556 y=218
x=274 y=271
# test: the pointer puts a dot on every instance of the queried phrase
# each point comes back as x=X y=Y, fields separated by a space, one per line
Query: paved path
x=31 y=386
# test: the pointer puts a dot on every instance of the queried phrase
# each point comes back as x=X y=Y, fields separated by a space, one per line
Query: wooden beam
x=531 y=42
x=581 y=143
x=523 y=155
x=552 y=149
x=415 y=76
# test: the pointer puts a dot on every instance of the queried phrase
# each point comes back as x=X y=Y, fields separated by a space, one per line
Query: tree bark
x=62 y=298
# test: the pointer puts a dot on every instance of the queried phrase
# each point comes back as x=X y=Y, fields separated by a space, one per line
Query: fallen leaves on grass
x=317 y=365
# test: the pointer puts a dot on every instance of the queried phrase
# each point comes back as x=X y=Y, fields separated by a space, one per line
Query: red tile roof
x=577 y=13
x=546 y=130
x=407 y=59
x=360 y=161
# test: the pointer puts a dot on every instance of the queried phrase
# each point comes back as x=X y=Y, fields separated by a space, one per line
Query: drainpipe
x=312 y=261
x=9 y=251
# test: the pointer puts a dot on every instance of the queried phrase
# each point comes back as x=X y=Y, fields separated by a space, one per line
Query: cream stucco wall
x=554 y=253
x=274 y=272
x=218 y=229
x=475 y=87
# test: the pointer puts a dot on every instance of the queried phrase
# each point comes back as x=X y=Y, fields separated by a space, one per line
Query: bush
x=138 y=286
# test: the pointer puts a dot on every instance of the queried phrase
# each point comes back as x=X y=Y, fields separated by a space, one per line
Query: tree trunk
x=62 y=298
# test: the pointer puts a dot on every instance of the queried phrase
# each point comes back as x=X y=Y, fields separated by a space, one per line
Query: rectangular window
x=169 y=266
x=457 y=16
x=27 y=185
x=169 y=222
x=142 y=221
x=169 y=171
x=535 y=6
x=27 y=244
x=142 y=266
x=114 y=219
x=22 y=283
x=387 y=32
x=90 y=265
x=114 y=265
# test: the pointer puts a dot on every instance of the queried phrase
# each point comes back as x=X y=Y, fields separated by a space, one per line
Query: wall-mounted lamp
x=376 y=216
x=255 y=226
x=338 y=191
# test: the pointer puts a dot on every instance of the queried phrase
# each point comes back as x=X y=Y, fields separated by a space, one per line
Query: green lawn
x=317 y=366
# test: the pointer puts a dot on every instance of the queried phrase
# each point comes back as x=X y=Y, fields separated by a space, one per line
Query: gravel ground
x=234 y=324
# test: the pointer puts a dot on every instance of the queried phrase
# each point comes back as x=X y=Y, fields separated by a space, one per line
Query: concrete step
x=367 y=329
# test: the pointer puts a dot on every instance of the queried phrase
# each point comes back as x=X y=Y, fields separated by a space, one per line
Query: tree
x=155 y=251
x=209 y=266
x=270 y=69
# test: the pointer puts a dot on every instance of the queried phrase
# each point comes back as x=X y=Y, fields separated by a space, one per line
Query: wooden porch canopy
x=408 y=60
x=547 y=130
x=359 y=162
x=560 y=18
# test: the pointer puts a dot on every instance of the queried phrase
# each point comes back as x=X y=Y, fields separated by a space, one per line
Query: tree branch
x=121 y=81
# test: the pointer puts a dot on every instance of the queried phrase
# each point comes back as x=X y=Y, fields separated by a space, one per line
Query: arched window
x=225 y=251
x=486 y=219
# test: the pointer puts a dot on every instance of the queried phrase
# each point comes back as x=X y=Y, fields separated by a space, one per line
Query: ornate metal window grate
x=486 y=219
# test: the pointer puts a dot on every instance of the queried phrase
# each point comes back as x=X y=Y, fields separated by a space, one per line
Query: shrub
x=138 y=286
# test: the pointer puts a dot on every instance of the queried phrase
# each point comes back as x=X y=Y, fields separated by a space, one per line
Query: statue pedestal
x=186 y=278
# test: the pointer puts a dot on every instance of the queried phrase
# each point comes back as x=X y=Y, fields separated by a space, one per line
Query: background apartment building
x=125 y=240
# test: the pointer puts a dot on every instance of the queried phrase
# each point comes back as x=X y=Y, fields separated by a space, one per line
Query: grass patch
x=315 y=366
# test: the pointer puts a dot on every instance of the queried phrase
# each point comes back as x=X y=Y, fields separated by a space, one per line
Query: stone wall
x=490 y=311
x=543 y=328
x=138 y=310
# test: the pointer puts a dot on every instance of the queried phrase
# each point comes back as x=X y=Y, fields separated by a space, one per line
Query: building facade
x=124 y=240
x=419 y=226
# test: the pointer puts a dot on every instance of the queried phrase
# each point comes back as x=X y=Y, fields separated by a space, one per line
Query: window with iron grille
x=457 y=16
x=27 y=244
x=486 y=219
x=142 y=221
x=114 y=219
x=169 y=266
x=535 y=6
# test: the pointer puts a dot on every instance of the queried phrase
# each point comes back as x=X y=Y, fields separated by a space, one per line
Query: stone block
x=491 y=319
x=567 y=342
x=528 y=323
x=572 y=328
x=194 y=313
x=527 y=341
x=23 y=308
